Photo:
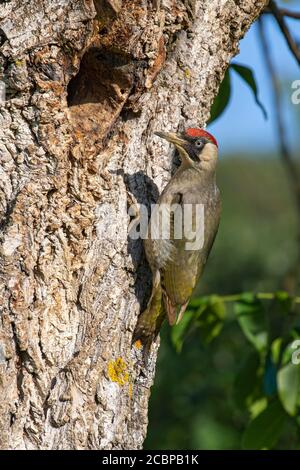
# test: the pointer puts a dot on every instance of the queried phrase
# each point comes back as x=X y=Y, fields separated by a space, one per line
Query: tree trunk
x=87 y=83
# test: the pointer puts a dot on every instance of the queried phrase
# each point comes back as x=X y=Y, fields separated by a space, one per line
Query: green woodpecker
x=177 y=260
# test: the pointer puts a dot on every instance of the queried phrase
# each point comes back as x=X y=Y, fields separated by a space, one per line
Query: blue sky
x=242 y=127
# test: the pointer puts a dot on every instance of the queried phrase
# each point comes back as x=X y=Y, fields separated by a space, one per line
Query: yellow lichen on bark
x=118 y=371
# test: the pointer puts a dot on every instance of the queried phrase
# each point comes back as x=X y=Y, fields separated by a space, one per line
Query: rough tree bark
x=87 y=82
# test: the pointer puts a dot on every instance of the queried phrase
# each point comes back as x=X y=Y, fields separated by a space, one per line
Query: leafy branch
x=223 y=97
x=259 y=295
x=286 y=157
x=268 y=384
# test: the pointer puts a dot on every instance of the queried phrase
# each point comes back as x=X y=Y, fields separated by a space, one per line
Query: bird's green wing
x=182 y=271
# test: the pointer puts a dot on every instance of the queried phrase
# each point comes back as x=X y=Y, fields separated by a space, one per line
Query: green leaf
x=207 y=313
x=179 y=332
x=282 y=295
x=258 y=406
x=197 y=302
x=222 y=98
x=284 y=300
x=247 y=297
x=247 y=75
x=276 y=349
x=217 y=306
x=246 y=381
x=280 y=317
x=210 y=318
x=288 y=379
x=264 y=431
x=251 y=316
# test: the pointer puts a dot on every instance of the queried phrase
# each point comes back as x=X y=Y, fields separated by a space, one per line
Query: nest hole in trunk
x=97 y=94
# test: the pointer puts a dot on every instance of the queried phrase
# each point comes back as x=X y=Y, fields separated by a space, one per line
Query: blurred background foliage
x=225 y=379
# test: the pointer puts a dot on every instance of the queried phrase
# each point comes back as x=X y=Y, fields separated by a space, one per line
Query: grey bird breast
x=179 y=260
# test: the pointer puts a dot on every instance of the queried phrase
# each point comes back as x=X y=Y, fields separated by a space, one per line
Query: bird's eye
x=199 y=143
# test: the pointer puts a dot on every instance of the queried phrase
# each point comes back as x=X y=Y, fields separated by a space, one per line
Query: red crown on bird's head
x=196 y=132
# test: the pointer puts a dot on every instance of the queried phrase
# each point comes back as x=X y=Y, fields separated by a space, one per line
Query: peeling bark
x=87 y=83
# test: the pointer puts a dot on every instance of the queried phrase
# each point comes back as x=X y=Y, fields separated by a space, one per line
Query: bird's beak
x=173 y=138
x=179 y=143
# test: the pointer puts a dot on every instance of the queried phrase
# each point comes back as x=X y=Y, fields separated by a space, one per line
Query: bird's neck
x=209 y=159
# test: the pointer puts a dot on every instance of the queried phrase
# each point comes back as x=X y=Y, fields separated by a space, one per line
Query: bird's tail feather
x=175 y=312
x=151 y=319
